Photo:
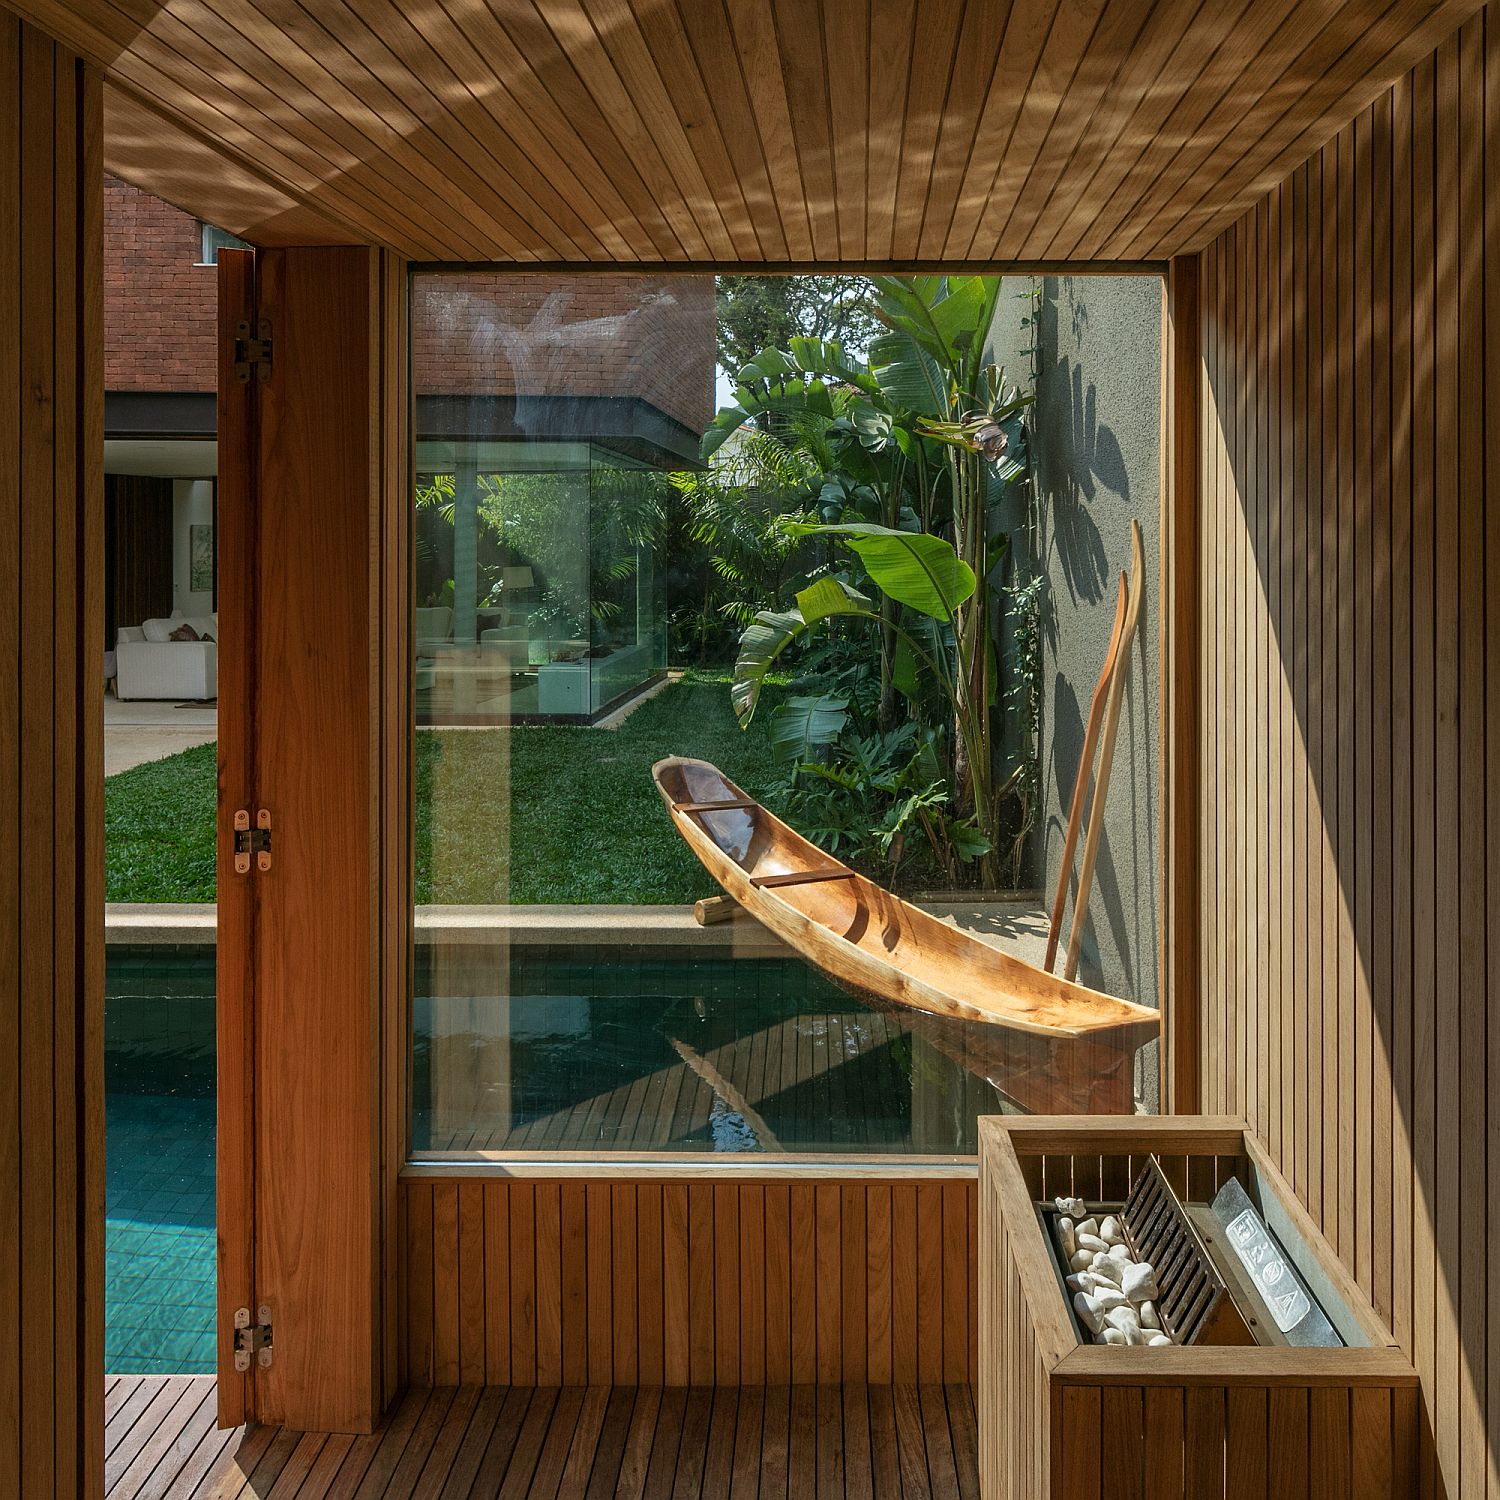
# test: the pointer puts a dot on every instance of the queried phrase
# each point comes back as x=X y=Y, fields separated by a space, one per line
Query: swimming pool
x=588 y=1050
x=159 y=1173
x=666 y=1050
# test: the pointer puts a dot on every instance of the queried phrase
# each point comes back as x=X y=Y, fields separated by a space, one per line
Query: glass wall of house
x=668 y=645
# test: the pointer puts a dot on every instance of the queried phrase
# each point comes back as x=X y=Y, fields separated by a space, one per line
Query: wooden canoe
x=1050 y=1046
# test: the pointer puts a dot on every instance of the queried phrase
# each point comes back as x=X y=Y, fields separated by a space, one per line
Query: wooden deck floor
x=880 y=1442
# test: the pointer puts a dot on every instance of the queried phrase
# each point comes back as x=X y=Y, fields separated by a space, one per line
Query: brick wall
x=637 y=333
x=632 y=334
x=159 y=303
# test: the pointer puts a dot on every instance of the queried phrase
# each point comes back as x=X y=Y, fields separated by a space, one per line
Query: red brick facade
x=643 y=334
x=633 y=334
x=159 y=303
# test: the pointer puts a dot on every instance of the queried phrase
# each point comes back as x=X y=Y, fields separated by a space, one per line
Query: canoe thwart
x=726 y=804
x=798 y=877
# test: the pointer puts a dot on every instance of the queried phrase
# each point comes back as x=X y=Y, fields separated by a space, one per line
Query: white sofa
x=149 y=665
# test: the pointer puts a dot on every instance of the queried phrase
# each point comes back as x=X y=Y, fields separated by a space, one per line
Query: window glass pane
x=591 y=544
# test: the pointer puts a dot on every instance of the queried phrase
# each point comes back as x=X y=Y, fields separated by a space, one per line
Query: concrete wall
x=1097 y=453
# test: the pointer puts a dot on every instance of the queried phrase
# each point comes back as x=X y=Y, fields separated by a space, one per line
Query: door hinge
x=252 y=1341
x=248 y=841
x=252 y=352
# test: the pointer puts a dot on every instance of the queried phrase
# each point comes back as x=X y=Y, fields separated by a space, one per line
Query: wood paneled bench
x=1078 y=1421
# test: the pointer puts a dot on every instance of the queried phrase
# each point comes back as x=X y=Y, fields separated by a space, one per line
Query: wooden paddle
x=1085 y=769
x=1106 y=752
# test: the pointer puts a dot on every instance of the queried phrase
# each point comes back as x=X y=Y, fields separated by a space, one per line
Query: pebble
x=1088 y=1312
x=1066 y=1237
x=1138 y=1282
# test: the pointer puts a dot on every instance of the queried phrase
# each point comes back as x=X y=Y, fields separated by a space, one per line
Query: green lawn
x=585 y=823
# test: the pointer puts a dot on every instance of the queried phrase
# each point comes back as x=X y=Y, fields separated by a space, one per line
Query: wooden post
x=1181 y=691
x=51 y=771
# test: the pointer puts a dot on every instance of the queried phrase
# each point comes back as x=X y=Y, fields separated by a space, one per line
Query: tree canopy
x=761 y=312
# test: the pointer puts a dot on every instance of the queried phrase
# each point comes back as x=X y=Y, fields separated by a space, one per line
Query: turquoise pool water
x=159 y=1173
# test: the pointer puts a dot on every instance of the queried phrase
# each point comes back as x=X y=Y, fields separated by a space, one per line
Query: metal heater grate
x=1192 y=1304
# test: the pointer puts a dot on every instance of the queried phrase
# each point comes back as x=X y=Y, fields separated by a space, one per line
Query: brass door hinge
x=252 y=353
x=248 y=840
x=252 y=1341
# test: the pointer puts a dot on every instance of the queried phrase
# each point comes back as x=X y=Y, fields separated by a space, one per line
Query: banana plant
x=924 y=575
x=931 y=364
x=924 y=424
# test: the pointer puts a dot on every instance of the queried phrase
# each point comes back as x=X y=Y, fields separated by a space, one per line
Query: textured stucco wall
x=1097 y=451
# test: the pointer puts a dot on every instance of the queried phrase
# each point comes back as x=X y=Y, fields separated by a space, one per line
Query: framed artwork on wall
x=201 y=559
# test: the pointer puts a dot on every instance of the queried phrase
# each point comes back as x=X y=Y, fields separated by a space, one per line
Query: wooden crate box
x=1072 y=1421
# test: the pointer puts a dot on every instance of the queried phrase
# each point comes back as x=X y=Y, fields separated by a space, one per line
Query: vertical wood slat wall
x=1350 y=687
x=51 y=771
x=688 y=1282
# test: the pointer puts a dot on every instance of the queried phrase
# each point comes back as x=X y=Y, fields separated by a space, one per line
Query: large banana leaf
x=947 y=319
x=911 y=379
x=765 y=638
x=803 y=726
x=793 y=383
x=772 y=631
x=912 y=567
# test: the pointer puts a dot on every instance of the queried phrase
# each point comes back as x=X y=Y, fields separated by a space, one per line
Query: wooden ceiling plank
x=574 y=32
x=322 y=71
x=654 y=94
x=705 y=24
x=760 y=61
x=142 y=147
x=604 y=173
x=536 y=64
x=1244 y=48
x=847 y=23
x=1145 y=88
x=248 y=82
x=977 y=56
x=932 y=67
x=1271 y=71
x=1073 y=30
x=1073 y=138
x=1026 y=32
x=166 y=81
x=892 y=45
x=804 y=69
x=1380 y=55
x=485 y=144
x=667 y=40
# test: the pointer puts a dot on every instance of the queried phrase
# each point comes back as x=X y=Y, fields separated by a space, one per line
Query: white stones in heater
x=1113 y=1293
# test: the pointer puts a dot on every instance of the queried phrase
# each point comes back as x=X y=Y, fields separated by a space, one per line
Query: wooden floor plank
x=682 y=1443
x=162 y=1459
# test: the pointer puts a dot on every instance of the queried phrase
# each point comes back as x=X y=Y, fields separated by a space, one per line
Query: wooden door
x=311 y=676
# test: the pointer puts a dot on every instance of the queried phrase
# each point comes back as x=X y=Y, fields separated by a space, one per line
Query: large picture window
x=626 y=485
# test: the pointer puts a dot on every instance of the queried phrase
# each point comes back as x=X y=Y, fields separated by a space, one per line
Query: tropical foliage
x=908 y=453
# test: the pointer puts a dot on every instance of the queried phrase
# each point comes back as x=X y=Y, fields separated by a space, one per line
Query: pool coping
x=1005 y=922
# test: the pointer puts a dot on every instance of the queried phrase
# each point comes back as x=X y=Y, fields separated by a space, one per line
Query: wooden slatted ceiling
x=1350 y=691
x=735 y=131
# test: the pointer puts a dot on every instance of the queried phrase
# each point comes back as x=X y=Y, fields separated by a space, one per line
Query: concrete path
x=135 y=733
